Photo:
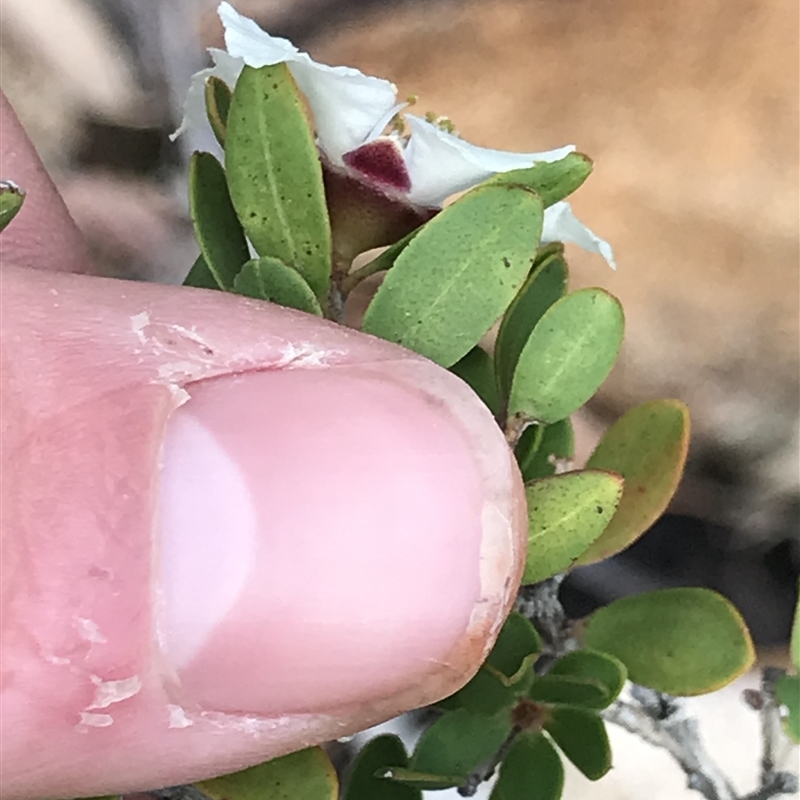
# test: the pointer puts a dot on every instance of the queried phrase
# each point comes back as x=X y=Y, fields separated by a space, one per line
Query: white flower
x=351 y=111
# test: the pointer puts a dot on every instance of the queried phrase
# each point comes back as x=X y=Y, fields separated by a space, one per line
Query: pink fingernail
x=320 y=538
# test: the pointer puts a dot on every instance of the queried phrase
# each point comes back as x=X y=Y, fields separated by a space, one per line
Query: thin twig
x=662 y=721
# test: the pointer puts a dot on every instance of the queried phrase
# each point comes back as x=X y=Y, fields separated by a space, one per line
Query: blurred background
x=690 y=112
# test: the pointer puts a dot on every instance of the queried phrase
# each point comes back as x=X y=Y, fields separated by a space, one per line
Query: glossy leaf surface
x=567 y=357
x=582 y=737
x=566 y=513
x=532 y=770
x=270 y=279
x=379 y=754
x=216 y=226
x=608 y=671
x=275 y=176
x=568 y=690
x=459 y=741
x=679 y=641
x=306 y=775
x=648 y=447
x=458 y=274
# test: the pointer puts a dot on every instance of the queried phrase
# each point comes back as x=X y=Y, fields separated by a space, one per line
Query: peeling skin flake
x=88 y=630
x=107 y=693
x=96 y=720
x=178 y=718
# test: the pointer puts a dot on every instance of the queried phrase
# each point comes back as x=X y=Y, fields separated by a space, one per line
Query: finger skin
x=42 y=235
x=92 y=369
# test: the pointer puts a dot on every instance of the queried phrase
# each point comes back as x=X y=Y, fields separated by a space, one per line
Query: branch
x=662 y=721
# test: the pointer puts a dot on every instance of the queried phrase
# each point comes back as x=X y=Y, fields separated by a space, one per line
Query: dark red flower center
x=380 y=162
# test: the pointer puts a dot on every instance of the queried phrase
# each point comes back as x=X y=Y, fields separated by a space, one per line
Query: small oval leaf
x=681 y=641
x=532 y=770
x=306 y=775
x=566 y=513
x=218 y=103
x=378 y=755
x=567 y=357
x=551 y=180
x=542 y=447
x=11 y=199
x=459 y=741
x=458 y=274
x=568 y=690
x=544 y=286
x=476 y=369
x=269 y=279
x=608 y=671
x=216 y=226
x=275 y=176
x=582 y=737
x=648 y=447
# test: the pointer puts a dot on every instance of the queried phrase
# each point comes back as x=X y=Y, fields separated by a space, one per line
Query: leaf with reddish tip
x=648 y=447
x=681 y=641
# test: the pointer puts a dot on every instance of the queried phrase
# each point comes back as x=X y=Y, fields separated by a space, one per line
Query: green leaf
x=275 y=176
x=200 y=276
x=568 y=690
x=377 y=755
x=532 y=770
x=306 y=775
x=608 y=671
x=507 y=671
x=218 y=103
x=458 y=274
x=459 y=741
x=216 y=225
x=419 y=781
x=582 y=737
x=787 y=690
x=11 y=200
x=648 y=447
x=552 y=181
x=382 y=262
x=680 y=641
x=544 y=286
x=568 y=355
x=518 y=639
x=540 y=446
x=269 y=279
x=477 y=370
x=794 y=646
x=566 y=513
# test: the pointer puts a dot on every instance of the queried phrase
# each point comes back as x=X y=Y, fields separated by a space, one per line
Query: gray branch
x=662 y=721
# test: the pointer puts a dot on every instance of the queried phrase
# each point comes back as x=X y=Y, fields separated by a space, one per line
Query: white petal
x=347 y=104
x=561 y=225
x=244 y=39
x=194 y=108
x=440 y=164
